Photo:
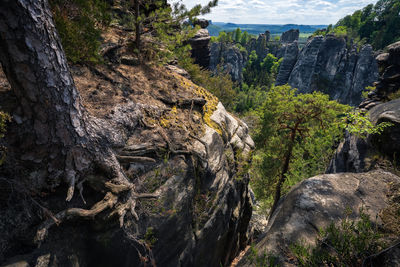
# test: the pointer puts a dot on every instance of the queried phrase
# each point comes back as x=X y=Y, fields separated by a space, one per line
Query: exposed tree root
x=109 y=201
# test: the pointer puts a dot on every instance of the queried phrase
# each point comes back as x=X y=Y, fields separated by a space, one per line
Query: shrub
x=346 y=244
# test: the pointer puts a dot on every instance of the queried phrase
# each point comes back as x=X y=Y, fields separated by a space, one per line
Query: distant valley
x=275 y=29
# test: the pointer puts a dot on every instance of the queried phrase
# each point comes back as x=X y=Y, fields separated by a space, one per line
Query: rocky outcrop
x=170 y=147
x=357 y=155
x=289 y=53
x=389 y=80
x=316 y=202
x=229 y=58
x=326 y=64
x=203 y=23
x=290 y=36
x=200 y=44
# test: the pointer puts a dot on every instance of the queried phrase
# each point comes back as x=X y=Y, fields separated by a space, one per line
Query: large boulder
x=319 y=201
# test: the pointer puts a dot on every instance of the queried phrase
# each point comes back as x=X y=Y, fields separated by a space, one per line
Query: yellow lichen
x=209 y=107
x=170 y=118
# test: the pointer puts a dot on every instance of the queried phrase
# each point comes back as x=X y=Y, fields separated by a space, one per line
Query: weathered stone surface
x=356 y=155
x=318 y=201
x=230 y=58
x=290 y=55
x=389 y=80
x=290 y=36
x=325 y=64
x=200 y=48
x=394 y=53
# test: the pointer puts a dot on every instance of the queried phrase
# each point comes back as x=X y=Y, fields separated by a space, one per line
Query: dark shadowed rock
x=358 y=155
x=200 y=48
x=203 y=23
x=394 y=52
x=319 y=201
x=261 y=46
x=290 y=36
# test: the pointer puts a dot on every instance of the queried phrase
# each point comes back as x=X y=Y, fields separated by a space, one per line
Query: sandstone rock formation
x=290 y=36
x=289 y=52
x=358 y=155
x=174 y=140
x=326 y=64
x=318 y=201
x=389 y=80
x=203 y=23
x=229 y=58
x=201 y=48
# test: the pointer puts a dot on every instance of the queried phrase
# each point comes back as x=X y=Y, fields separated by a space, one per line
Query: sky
x=312 y=12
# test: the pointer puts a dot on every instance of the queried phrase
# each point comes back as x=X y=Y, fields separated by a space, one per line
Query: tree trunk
x=60 y=137
x=285 y=169
x=136 y=4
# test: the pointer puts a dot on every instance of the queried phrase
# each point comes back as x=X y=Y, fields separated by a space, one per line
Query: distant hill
x=215 y=27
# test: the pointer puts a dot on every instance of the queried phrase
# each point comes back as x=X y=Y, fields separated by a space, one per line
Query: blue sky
x=281 y=11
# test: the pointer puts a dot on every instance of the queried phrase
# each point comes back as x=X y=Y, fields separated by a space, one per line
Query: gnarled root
x=107 y=202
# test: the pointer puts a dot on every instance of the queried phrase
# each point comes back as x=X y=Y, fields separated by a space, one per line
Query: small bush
x=263 y=260
x=347 y=244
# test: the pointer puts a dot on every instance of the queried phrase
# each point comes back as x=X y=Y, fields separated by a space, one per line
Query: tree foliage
x=261 y=71
x=79 y=24
x=294 y=138
x=375 y=24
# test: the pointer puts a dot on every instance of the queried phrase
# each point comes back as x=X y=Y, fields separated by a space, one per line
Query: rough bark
x=60 y=136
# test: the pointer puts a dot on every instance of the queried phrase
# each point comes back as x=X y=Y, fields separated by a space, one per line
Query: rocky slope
x=233 y=60
x=178 y=143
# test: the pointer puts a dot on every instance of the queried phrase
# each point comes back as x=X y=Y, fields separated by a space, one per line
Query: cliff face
x=290 y=53
x=230 y=59
x=327 y=65
x=175 y=140
x=357 y=155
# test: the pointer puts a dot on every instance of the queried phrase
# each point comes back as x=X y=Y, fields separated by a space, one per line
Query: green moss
x=150 y=237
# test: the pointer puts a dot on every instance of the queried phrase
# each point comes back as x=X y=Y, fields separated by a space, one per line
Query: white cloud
x=281 y=11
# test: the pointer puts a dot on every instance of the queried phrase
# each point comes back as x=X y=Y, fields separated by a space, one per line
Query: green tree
x=244 y=38
x=166 y=24
x=79 y=24
x=294 y=128
x=238 y=35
